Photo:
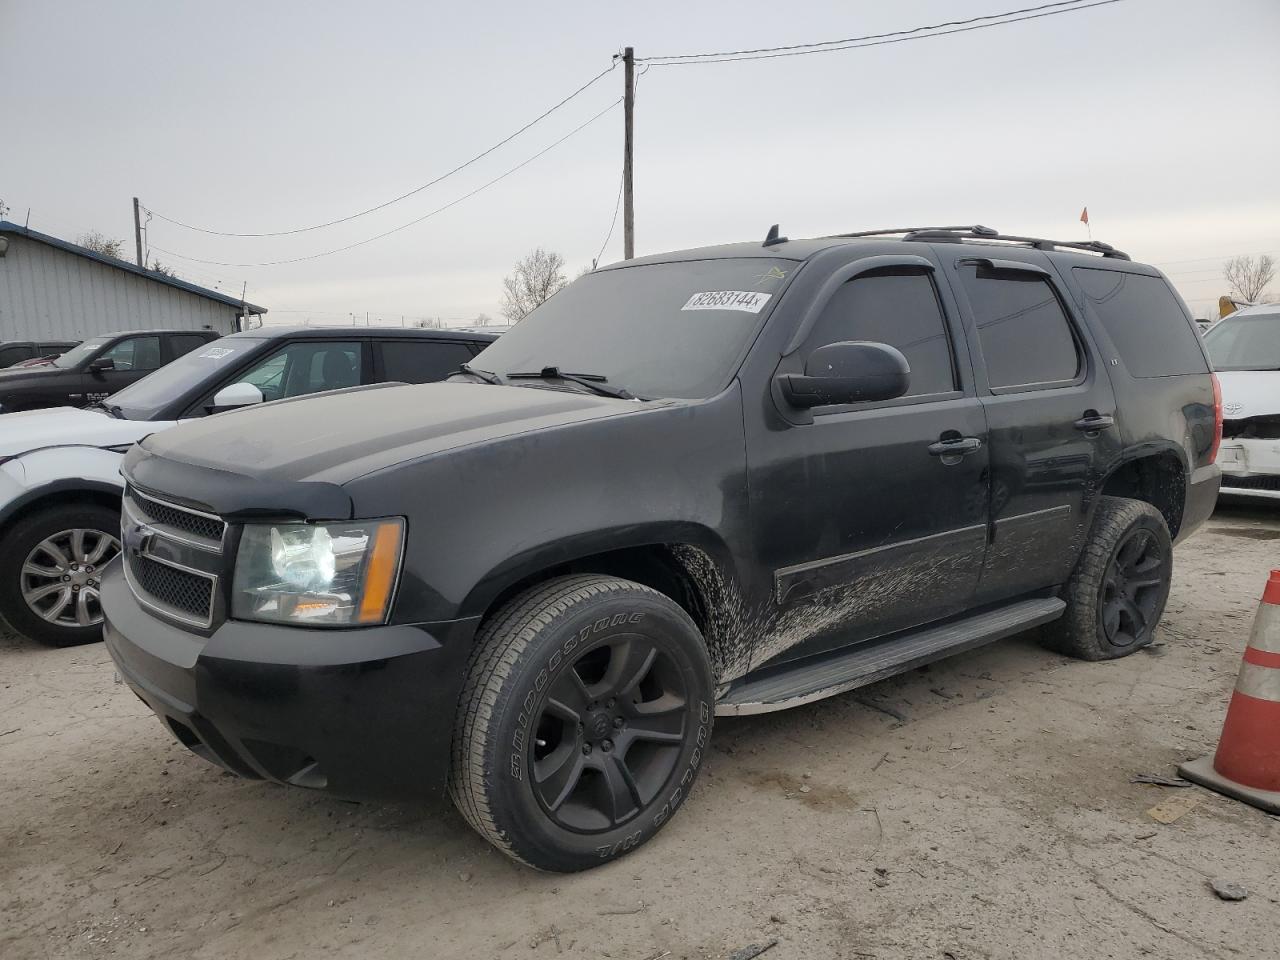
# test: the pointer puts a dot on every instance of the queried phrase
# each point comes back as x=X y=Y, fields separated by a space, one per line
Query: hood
x=1250 y=393
x=336 y=437
x=10 y=376
x=67 y=427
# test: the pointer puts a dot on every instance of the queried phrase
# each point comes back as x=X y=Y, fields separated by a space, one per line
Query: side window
x=1145 y=322
x=135 y=353
x=268 y=376
x=181 y=343
x=306 y=367
x=899 y=308
x=12 y=355
x=1022 y=328
x=421 y=361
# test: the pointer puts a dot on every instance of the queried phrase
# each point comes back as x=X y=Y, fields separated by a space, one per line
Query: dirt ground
x=996 y=819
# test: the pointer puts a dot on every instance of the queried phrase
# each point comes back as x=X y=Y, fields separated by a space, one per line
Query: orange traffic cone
x=1247 y=765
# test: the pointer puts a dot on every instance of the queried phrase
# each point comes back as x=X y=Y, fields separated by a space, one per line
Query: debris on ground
x=1171 y=810
x=1159 y=781
x=1226 y=890
x=753 y=950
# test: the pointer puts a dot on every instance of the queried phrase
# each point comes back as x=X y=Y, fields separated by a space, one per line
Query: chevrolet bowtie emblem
x=136 y=536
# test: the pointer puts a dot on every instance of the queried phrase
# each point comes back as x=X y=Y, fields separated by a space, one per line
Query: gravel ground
x=979 y=808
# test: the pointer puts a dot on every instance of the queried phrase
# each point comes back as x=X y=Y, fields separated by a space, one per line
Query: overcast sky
x=256 y=117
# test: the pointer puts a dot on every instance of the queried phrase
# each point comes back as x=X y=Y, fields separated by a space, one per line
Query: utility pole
x=137 y=230
x=628 y=110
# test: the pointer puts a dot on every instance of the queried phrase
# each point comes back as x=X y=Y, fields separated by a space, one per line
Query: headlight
x=330 y=574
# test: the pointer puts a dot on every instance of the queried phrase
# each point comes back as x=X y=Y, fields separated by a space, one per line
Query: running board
x=792 y=684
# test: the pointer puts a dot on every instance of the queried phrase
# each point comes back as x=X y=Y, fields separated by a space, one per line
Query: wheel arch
x=685 y=562
x=74 y=491
x=1157 y=476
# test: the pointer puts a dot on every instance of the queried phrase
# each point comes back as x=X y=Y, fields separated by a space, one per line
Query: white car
x=1245 y=349
x=60 y=483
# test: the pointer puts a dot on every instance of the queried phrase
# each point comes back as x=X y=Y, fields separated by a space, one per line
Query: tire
x=1120 y=585
x=48 y=540
x=583 y=721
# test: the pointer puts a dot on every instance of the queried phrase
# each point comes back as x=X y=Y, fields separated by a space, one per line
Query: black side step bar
x=814 y=678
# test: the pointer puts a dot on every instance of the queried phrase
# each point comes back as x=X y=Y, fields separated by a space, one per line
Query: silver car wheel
x=61 y=576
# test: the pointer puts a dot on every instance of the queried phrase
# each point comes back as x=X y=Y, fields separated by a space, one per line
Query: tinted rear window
x=1145 y=322
x=421 y=361
x=1023 y=331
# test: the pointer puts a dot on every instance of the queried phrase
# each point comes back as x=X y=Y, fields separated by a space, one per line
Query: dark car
x=20 y=351
x=96 y=368
x=720 y=481
x=60 y=481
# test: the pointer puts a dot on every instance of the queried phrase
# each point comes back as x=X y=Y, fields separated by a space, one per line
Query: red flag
x=1084 y=216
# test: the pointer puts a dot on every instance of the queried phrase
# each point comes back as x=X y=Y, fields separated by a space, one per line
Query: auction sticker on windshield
x=747 y=301
x=217 y=353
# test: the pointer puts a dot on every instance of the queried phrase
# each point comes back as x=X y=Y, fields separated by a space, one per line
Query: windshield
x=1245 y=343
x=657 y=330
x=145 y=398
x=77 y=355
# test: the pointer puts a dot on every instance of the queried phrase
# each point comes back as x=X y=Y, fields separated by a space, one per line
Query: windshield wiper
x=111 y=410
x=488 y=376
x=595 y=382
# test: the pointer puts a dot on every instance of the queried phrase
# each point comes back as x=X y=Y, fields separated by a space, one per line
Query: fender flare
x=578 y=546
x=68 y=485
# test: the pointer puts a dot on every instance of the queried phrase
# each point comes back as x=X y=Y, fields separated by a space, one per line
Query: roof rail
x=977 y=229
x=979 y=232
x=1039 y=243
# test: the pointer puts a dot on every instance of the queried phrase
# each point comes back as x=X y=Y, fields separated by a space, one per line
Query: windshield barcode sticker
x=217 y=353
x=747 y=301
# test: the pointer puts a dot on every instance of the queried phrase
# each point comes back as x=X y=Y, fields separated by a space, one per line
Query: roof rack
x=978 y=232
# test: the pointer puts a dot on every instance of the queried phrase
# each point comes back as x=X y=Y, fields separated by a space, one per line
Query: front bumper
x=363 y=714
x=1250 y=467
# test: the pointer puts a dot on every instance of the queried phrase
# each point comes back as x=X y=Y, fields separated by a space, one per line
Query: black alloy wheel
x=583 y=721
x=1132 y=589
x=609 y=734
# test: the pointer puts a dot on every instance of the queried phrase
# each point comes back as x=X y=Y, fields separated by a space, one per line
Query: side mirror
x=101 y=364
x=847 y=372
x=236 y=395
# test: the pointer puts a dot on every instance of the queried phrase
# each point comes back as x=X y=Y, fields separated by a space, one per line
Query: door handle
x=955 y=447
x=1093 y=422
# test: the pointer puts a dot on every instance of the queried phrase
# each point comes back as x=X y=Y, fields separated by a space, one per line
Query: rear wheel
x=1117 y=594
x=50 y=570
x=586 y=711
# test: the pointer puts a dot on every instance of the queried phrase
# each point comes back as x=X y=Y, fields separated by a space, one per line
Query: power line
x=876 y=40
x=871 y=36
x=1225 y=256
x=404 y=226
x=403 y=196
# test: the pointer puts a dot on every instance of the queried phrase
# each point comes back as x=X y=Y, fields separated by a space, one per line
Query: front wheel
x=1117 y=593
x=50 y=569
x=583 y=721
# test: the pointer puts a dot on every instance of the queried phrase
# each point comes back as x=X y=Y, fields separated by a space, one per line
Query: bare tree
x=1248 y=277
x=534 y=280
x=99 y=242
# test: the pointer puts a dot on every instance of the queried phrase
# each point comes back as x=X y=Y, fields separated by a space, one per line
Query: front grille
x=173 y=557
x=1252 y=428
x=1252 y=483
x=178 y=590
x=197 y=524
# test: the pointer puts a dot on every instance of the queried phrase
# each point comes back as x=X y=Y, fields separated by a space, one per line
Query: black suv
x=720 y=481
x=19 y=351
x=96 y=368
